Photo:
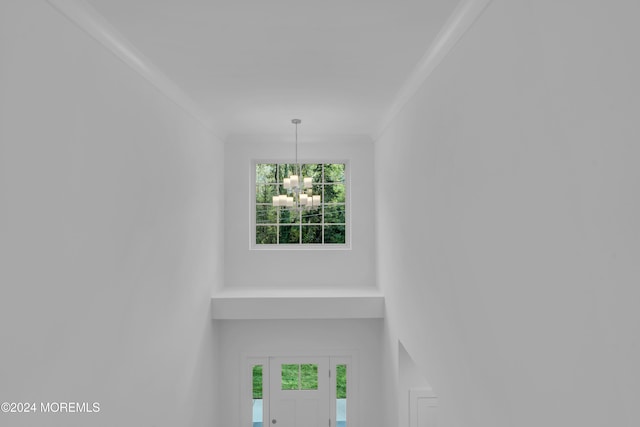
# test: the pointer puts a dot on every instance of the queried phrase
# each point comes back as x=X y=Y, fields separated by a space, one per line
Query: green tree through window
x=299 y=377
x=322 y=225
x=341 y=381
x=257 y=382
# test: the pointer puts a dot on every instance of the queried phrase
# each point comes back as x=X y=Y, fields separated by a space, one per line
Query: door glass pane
x=341 y=395
x=308 y=377
x=257 y=415
x=290 y=377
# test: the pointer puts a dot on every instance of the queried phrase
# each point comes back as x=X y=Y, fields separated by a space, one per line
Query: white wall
x=241 y=338
x=409 y=377
x=513 y=281
x=111 y=238
x=336 y=268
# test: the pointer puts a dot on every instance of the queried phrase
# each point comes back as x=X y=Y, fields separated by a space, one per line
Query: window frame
x=301 y=246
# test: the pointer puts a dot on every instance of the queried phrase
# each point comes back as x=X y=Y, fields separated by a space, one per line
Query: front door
x=299 y=392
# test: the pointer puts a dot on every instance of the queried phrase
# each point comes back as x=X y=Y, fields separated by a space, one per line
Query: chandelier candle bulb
x=307 y=183
x=287 y=183
x=294 y=181
x=283 y=200
x=316 y=200
x=303 y=199
x=289 y=202
x=276 y=200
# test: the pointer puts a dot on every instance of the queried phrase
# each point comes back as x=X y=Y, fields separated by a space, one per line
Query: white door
x=299 y=392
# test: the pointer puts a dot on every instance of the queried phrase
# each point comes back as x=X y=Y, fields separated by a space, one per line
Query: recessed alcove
x=251 y=303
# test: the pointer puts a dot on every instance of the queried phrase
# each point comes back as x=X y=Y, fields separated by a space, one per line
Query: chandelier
x=299 y=189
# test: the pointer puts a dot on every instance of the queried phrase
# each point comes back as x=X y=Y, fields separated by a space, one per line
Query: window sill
x=308 y=247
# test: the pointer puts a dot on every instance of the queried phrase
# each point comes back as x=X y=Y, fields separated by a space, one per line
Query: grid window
x=299 y=377
x=322 y=225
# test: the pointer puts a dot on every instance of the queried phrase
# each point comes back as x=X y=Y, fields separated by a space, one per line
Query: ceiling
x=253 y=65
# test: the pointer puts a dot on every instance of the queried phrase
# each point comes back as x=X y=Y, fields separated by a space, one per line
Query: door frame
x=336 y=357
x=424 y=396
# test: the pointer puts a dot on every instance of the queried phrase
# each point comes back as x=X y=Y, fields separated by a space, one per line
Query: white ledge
x=256 y=304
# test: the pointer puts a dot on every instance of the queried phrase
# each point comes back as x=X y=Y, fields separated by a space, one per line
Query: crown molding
x=462 y=18
x=91 y=21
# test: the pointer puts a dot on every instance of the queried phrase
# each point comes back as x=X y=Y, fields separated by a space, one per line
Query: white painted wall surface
x=409 y=378
x=111 y=236
x=296 y=337
x=305 y=268
x=513 y=280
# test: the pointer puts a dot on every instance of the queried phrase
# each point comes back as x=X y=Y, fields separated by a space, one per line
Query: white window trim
x=301 y=247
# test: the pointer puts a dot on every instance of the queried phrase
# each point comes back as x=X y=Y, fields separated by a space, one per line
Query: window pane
x=334 y=193
x=308 y=377
x=257 y=382
x=257 y=411
x=312 y=216
x=334 y=214
x=341 y=395
x=289 y=234
x=290 y=377
x=312 y=234
x=264 y=193
x=341 y=381
x=289 y=216
x=285 y=170
x=312 y=170
x=334 y=234
x=266 y=235
x=266 y=214
x=317 y=190
x=266 y=172
x=334 y=172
